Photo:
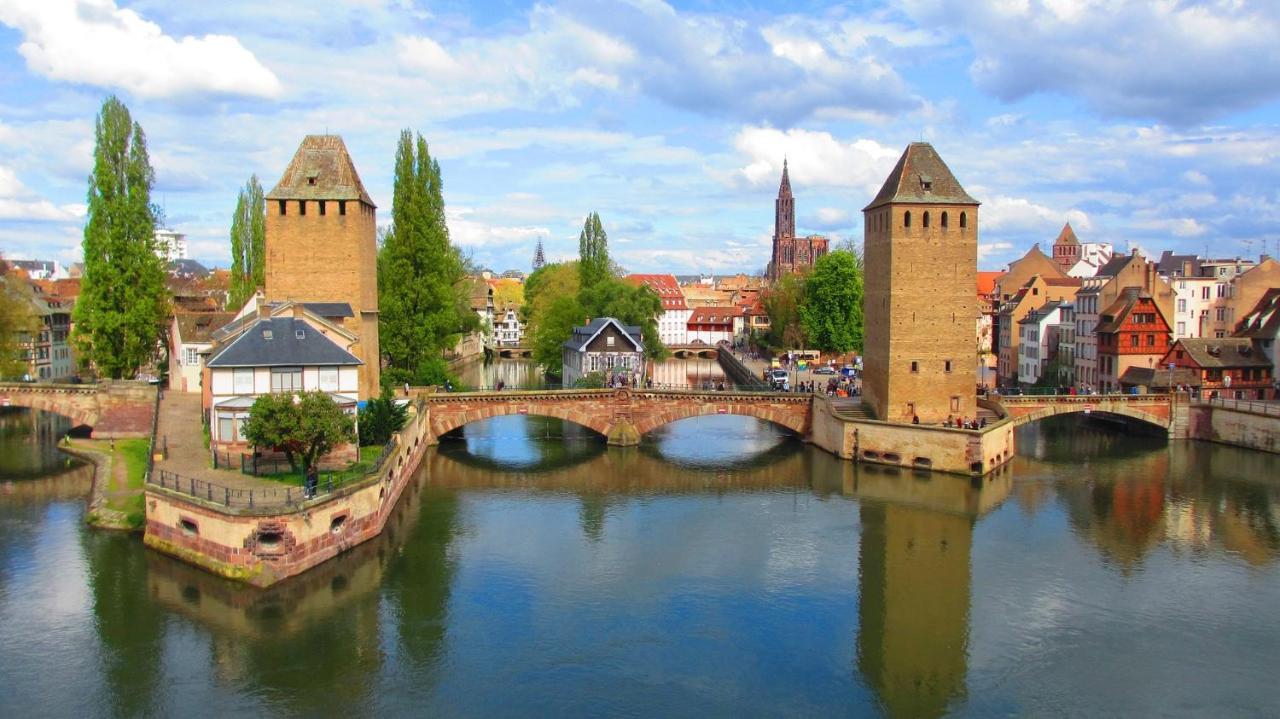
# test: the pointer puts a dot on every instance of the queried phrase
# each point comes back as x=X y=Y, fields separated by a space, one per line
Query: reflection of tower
x=914 y=608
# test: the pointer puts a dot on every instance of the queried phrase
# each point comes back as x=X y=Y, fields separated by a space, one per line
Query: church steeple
x=784 y=215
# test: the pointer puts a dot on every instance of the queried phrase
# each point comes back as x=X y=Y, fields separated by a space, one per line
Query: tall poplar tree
x=421 y=295
x=593 y=254
x=248 y=244
x=122 y=303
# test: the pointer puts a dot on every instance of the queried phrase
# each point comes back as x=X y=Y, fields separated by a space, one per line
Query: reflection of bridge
x=681 y=351
x=1152 y=409
x=112 y=408
x=621 y=415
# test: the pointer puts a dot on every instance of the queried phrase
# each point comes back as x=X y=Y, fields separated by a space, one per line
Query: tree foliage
x=593 y=254
x=305 y=426
x=631 y=305
x=782 y=303
x=555 y=323
x=123 y=300
x=422 y=295
x=380 y=418
x=248 y=244
x=17 y=321
x=831 y=309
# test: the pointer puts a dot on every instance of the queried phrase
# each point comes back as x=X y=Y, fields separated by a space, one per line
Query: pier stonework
x=920 y=308
x=113 y=409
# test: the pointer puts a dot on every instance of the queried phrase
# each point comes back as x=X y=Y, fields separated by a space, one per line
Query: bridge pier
x=623 y=434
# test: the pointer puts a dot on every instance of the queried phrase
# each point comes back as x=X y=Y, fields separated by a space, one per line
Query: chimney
x=588 y=322
x=297 y=310
x=264 y=310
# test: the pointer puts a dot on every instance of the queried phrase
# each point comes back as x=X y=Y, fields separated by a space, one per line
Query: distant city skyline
x=1150 y=125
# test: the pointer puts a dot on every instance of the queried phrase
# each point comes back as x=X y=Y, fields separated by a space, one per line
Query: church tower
x=1066 y=249
x=784 y=228
x=321 y=243
x=919 y=303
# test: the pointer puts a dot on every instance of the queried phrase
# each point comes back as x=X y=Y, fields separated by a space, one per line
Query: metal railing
x=1270 y=408
x=283 y=496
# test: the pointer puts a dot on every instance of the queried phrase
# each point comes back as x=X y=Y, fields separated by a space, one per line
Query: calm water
x=721 y=568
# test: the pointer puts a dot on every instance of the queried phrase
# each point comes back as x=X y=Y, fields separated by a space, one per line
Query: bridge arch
x=445 y=420
x=1025 y=413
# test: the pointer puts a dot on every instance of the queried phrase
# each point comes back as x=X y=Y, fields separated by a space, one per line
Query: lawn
x=129 y=498
x=368 y=456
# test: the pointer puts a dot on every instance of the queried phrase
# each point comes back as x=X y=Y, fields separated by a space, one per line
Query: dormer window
x=311 y=180
x=266 y=334
x=300 y=334
x=926 y=183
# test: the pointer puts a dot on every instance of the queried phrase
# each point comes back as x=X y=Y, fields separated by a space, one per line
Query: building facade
x=321 y=243
x=1032 y=296
x=1100 y=292
x=190 y=337
x=48 y=352
x=791 y=253
x=1228 y=367
x=674 y=320
x=921 y=249
x=1040 y=334
x=1262 y=325
x=607 y=347
x=171 y=246
x=1131 y=332
x=508 y=331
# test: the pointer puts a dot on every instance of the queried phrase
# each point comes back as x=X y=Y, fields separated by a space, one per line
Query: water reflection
x=28 y=444
x=512 y=372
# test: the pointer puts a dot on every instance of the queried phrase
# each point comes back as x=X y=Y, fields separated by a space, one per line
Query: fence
x=263 y=495
x=1245 y=405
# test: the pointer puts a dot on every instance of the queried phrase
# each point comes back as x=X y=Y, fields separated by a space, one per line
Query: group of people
x=959 y=422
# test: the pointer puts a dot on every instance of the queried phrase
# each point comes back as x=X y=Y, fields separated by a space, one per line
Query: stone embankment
x=739 y=372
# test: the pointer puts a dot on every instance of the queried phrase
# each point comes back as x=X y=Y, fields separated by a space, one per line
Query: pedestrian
x=915 y=419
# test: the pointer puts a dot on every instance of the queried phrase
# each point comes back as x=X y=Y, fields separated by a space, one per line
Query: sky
x=1149 y=124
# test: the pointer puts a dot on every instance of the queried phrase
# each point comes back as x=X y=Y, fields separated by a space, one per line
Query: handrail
x=155 y=425
x=284 y=496
x=1265 y=408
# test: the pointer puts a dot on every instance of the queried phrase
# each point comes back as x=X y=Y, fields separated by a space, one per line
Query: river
x=720 y=568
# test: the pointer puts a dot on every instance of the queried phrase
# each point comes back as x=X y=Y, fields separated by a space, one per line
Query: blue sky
x=1146 y=123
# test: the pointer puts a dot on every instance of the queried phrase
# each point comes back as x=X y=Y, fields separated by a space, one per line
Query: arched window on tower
x=944 y=220
x=925 y=223
x=906 y=219
x=964 y=220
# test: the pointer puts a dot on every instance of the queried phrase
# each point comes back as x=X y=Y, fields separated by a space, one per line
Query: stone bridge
x=1156 y=410
x=112 y=408
x=621 y=415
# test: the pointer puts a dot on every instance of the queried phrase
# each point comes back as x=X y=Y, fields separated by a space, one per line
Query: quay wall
x=738 y=372
x=264 y=545
x=914 y=446
x=1239 y=425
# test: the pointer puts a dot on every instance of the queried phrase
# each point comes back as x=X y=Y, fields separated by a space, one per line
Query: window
x=944 y=220
x=946 y=366
x=321 y=203
x=242 y=380
x=608 y=341
x=906 y=219
x=190 y=356
x=1204 y=293
x=1182 y=305
x=226 y=427
x=964 y=220
x=1151 y=340
x=915 y=366
x=1182 y=329
x=286 y=379
x=282 y=203
x=925 y=221
x=302 y=207
x=342 y=207
x=329 y=379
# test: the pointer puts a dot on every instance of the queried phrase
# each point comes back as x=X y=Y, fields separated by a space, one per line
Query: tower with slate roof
x=921 y=252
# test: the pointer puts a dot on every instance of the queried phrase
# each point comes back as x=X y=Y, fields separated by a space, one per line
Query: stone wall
x=929 y=447
x=1235 y=426
x=738 y=372
x=115 y=409
x=263 y=546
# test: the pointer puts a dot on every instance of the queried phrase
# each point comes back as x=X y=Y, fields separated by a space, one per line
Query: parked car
x=779 y=379
x=824 y=369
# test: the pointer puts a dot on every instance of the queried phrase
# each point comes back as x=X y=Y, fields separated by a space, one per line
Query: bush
x=594 y=380
x=381 y=418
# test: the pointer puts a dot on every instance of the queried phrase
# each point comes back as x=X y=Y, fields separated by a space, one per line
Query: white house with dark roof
x=286 y=347
x=606 y=346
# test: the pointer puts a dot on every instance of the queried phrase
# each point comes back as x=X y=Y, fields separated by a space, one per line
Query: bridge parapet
x=1152 y=409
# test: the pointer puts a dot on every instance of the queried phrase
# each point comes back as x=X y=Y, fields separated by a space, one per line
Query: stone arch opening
x=906 y=218
x=1148 y=420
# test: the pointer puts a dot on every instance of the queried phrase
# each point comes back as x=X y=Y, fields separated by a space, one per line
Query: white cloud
x=95 y=42
x=832 y=215
x=17 y=202
x=814 y=159
x=1177 y=61
x=466 y=229
x=1019 y=214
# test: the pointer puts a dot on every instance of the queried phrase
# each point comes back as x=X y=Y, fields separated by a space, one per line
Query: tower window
x=302 y=207
x=342 y=207
x=915 y=366
x=964 y=221
x=926 y=219
x=946 y=366
x=282 y=204
x=321 y=203
x=906 y=219
x=944 y=220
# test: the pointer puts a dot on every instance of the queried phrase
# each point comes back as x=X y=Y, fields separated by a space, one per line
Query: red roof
x=665 y=286
x=714 y=315
x=987 y=282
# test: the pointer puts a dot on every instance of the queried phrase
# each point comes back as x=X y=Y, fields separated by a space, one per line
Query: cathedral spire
x=784 y=190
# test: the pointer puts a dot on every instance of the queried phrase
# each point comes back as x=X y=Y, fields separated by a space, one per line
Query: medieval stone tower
x=920 y=302
x=321 y=246
x=1066 y=249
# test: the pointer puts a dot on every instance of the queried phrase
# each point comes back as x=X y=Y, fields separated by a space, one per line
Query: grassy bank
x=121 y=468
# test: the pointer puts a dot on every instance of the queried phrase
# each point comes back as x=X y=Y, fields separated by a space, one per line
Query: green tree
x=631 y=305
x=17 y=322
x=305 y=426
x=380 y=418
x=593 y=253
x=782 y=303
x=422 y=292
x=831 y=311
x=248 y=244
x=554 y=326
x=123 y=299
